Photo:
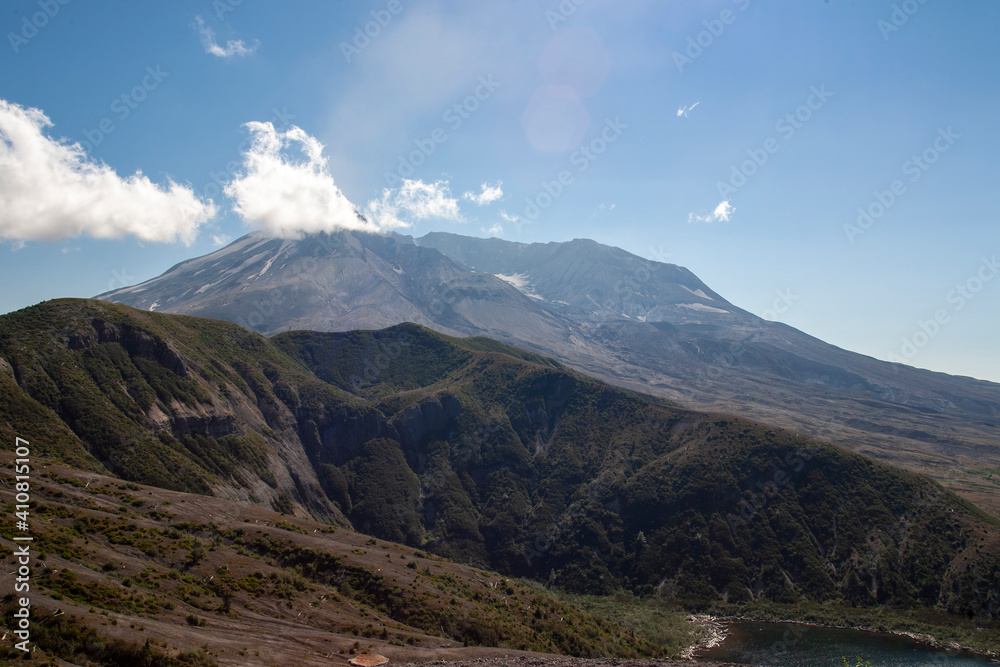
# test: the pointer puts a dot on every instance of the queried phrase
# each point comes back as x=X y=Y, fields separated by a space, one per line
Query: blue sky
x=736 y=138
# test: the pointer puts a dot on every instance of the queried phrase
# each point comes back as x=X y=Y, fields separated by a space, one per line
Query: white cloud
x=490 y=194
x=495 y=230
x=508 y=217
x=413 y=200
x=51 y=189
x=722 y=213
x=220 y=239
x=289 y=196
x=286 y=197
x=684 y=111
x=233 y=48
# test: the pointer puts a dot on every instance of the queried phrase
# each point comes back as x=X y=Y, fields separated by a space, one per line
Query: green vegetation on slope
x=485 y=454
x=544 y=473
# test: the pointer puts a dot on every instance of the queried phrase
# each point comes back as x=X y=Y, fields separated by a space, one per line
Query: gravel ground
x=524 y=661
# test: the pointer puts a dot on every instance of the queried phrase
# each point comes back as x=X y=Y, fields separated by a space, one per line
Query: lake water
x=795 y=645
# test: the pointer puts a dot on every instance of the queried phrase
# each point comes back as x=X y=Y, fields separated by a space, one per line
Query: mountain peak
x=629 y=320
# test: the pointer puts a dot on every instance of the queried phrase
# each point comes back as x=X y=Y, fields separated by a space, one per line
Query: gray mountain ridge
x=641 y=324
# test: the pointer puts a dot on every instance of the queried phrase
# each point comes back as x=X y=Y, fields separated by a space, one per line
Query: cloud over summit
x=286 y=188
x=51 y=189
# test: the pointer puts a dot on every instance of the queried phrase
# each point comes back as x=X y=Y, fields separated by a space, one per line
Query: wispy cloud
x=489 y=194
x=220 y=239
x=412 y=201
x=495 y=230
x=721 y=213
x=234 y=48
x=603 y=207
x=286 y=189
x=508 y=217
x=51 y=189
x=683 y=112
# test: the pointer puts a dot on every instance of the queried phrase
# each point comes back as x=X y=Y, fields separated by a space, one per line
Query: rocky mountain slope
x=489 y=455
x=643 y=325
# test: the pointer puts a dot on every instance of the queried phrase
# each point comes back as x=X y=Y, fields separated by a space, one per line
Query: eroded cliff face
x=205 y=409
x=417 y=421
x=6 y=369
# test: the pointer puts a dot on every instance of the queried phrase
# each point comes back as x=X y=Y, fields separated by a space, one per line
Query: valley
x=469 y=450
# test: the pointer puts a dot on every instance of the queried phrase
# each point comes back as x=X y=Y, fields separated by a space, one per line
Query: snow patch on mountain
x=521 y=282
x=702 y=307
x=698 y=292
x=268 y=263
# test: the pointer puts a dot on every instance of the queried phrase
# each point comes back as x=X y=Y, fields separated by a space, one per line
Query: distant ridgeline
x=490 y=455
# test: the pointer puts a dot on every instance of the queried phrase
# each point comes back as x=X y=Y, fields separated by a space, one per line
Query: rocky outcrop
x=342 y=433
x=420 y=419
x=7 y=369
x=137 y=342
x=213 y=425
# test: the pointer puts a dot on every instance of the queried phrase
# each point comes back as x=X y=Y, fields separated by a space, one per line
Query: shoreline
x=717 y=631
